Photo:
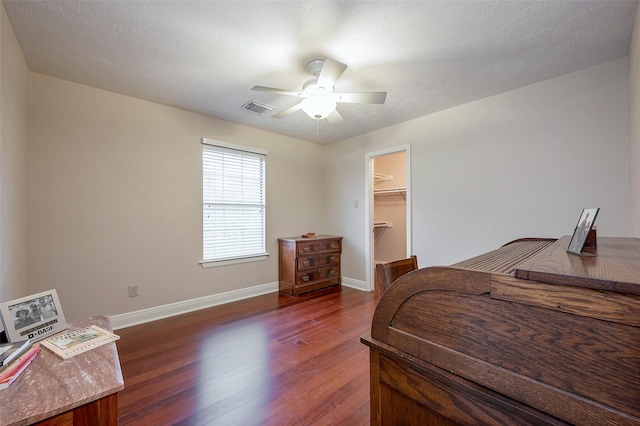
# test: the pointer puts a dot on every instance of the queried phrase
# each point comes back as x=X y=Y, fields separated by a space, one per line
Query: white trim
x=235 y=146
x=159 y=312
x=353 y=283
x=368 y=208
x=130 y=319
x=233 y=261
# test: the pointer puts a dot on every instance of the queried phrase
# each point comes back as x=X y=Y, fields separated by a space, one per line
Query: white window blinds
x=233 y=193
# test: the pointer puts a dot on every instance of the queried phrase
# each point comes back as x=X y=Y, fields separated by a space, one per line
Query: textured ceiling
x=204 y=56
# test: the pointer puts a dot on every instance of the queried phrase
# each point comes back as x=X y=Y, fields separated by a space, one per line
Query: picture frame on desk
x=33 y=317
x=581 y=231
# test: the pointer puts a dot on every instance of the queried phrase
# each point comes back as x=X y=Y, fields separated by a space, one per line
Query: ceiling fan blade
x=334 y=117
x=361 y=98
x=330 y=73
x=277 y=91
x=288 y=111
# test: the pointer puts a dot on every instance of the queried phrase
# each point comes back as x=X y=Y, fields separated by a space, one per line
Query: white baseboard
x=357 y=284
x=158 y=312
x=165 y=311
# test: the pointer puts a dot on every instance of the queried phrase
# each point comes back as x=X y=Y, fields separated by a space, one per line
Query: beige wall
x=116 y=199
x=523 y=163
x=14 y=81
x=634 y=128
x=114 y=196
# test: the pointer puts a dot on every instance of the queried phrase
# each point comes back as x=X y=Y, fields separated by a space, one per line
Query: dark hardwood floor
x=268 y=360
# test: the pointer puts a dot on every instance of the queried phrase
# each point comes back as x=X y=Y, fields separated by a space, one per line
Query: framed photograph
x=33 y=317
x=585 y=223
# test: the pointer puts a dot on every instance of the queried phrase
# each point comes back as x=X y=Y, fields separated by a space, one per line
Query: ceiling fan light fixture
x=319 y=101
x=319 y=97
x=318 y=107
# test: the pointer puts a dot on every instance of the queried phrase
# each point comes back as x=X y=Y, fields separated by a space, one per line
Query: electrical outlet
x=133 y=290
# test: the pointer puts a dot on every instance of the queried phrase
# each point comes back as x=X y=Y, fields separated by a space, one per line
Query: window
x=233 y=202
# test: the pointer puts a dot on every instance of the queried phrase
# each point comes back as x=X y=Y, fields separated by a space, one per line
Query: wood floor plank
x=269 y=360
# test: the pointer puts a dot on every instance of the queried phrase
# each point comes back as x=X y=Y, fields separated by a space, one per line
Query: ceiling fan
x=319 y=99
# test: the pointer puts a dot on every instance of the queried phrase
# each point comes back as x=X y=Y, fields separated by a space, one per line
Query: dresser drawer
x=308 y=277
x=318 y=260
x=307 y=262
x=318 y=246
x=329 y=259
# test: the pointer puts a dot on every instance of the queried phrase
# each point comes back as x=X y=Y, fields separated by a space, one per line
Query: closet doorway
x=388 y=216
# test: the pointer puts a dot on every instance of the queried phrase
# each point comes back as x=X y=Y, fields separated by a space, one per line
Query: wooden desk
x=526 y=334
x=80 y=390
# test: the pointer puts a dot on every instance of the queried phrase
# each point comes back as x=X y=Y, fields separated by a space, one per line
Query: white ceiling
x=204 y=56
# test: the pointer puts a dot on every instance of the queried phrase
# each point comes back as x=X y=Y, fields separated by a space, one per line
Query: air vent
x=257 y=107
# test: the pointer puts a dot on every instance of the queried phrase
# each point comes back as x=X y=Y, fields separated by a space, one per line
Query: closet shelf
x=383 y=224
x=379 y=177
x=390 y=191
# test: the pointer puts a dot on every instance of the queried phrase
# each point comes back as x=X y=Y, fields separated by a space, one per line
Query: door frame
x=369 y=209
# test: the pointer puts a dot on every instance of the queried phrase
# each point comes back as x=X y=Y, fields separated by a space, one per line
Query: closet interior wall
x=390 y=204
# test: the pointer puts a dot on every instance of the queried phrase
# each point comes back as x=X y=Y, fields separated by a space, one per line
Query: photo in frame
x=33 y=317
x=581 y=232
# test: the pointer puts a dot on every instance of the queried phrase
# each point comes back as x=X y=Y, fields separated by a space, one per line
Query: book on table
x=11 y=351
x=10 y=374
x=78 y=341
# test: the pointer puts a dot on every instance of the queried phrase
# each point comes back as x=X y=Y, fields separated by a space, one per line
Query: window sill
x=233 y=261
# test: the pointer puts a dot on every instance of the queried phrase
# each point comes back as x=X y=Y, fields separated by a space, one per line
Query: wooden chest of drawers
x=308 y=264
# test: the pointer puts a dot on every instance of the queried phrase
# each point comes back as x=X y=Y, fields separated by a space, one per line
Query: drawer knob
x=305 y=278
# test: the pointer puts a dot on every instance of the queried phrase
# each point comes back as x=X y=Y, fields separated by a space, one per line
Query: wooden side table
x=82 y=389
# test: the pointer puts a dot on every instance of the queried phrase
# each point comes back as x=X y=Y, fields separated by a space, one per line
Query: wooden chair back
x=387 y=273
